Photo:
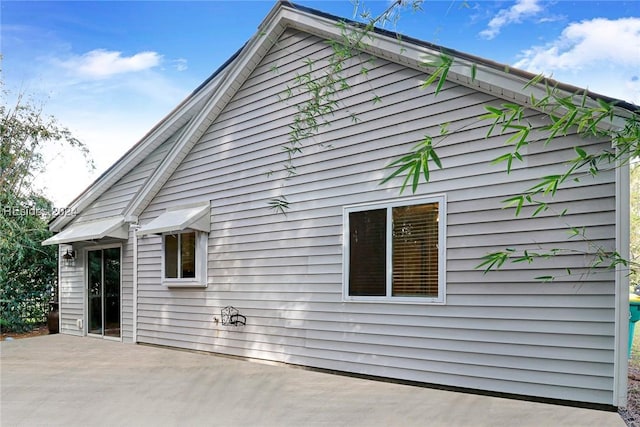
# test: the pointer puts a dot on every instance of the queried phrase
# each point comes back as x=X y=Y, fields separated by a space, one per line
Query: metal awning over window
x=194 y=217
x=111 y=227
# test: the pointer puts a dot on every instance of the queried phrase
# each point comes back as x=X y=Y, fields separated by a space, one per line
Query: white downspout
x=134 y=228
x=621 y=362
x=58 y=290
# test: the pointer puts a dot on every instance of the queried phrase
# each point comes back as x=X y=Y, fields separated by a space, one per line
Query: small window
x=394 y=251
x=179 y=253
x=185 y=259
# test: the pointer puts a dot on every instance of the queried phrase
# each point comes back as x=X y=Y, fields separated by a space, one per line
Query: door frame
x=85 y=292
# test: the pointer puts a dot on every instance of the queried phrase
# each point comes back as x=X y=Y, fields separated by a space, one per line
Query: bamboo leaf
x=496 y=112
x=279 y=205
x=543 y=207
x=534 y=81
x=443 y=78
x=518 y=201
x=416 y=176
x=432 y=78
x=396 y=173
x=415 y=163
x=435 y=158
x=495 y=260
x=548 y=184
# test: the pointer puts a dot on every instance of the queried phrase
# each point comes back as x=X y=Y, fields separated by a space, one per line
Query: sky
x=111 y=70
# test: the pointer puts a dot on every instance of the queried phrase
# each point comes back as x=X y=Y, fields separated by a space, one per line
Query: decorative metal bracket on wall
x=232 y=317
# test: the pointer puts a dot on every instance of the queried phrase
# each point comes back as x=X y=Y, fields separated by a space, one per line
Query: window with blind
x=395 y=251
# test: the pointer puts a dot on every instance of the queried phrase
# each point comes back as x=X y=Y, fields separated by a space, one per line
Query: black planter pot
x=53 y=318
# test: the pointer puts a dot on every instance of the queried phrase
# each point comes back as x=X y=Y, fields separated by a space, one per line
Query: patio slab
x=73 y=381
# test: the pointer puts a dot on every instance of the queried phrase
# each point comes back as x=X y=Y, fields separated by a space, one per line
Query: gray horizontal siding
x=113 y=201
x=503 y=331
x=71 y=293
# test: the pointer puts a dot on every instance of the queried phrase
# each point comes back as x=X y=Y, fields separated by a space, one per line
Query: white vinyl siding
x=503 y=331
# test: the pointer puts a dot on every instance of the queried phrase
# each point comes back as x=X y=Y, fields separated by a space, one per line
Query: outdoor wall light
x=69 y=257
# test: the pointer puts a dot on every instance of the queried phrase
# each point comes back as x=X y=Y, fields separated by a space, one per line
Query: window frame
x=389 y=205
x=200 y=279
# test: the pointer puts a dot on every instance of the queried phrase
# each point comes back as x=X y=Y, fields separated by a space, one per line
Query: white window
x=184 y=258
x=184 y=230
x=395 y=251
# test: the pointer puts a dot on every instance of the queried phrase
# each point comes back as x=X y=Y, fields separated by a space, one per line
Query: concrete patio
x=70 y=381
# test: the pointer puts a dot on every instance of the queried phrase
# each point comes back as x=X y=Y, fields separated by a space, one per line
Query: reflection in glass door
x=104 y=292
x=95 y=292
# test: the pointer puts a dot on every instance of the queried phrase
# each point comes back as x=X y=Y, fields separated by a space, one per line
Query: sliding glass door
x=103 y=292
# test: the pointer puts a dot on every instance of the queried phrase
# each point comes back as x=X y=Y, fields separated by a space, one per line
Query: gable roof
x=202 y=107
x=168 y=126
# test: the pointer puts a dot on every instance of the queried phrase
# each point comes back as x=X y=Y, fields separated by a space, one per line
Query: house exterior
x=180 y=229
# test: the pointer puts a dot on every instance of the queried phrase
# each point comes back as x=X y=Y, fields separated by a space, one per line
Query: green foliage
x=24 y=131
x=602 y=260
x=569 y=113
x=322 y=83
x=441 y=65
x=28 y=271
x=279 y=205
x=495 y=259
x=508 y=119
x=416 y=162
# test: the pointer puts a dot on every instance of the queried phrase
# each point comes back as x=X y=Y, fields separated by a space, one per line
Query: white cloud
x=100 y=63
x=600 y=54
x=522 y=9
x=108 y=114
x=180 y=64
x=584 y=43
x=553 y=18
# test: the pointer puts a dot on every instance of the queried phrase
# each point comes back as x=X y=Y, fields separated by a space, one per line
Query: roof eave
x=154 y=137
x=468 y=70
x=236 y=71
x=487 y=76
x=526 y=76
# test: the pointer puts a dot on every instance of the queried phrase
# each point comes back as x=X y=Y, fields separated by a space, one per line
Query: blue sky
x=110 y=70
